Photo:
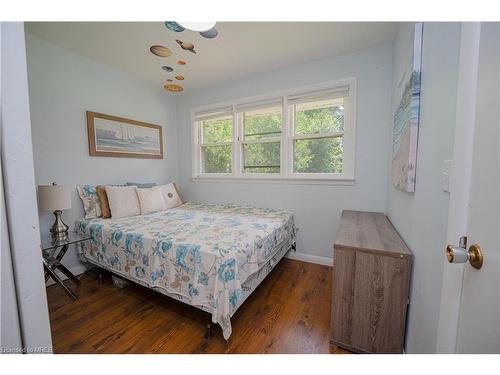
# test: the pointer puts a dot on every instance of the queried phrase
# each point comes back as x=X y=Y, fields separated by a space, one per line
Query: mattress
x=201 y=253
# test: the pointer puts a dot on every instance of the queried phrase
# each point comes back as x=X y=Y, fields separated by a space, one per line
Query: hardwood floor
x=288 y=313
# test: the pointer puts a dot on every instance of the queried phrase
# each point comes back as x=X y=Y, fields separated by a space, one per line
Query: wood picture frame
x=114 y=136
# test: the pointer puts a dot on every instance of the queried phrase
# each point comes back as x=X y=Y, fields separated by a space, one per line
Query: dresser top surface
x=369 y=231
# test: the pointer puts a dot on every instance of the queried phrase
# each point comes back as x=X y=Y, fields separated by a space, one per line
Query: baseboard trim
x=310 y=258
x=75 y=270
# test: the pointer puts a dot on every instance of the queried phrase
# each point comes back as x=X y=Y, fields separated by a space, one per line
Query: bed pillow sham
x=123 y=201
x=171 y=196
x=151 y=200
x=90 y=199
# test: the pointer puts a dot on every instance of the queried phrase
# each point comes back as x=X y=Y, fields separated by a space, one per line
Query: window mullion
x=291 y=131
x=196 y=145
x=318 y=135
x=261 y=140
x=349 y=145
x=234 y=152
x=216 y=144
x=236 y=143
x=284 y=169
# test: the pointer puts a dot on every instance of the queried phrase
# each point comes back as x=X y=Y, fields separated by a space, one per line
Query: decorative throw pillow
x=142 y=185
x=91 y=204
x=170 y=195
x=151 y=200
x=103 y=199
x=123 y=201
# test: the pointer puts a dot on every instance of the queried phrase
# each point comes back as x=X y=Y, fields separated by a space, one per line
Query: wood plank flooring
x=288 y=313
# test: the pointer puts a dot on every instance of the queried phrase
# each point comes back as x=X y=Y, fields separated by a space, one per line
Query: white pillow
x=123 y=201
x=170 y=194
x=151 y=200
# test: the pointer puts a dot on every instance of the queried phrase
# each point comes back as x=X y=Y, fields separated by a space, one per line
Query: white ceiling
x=241 y=48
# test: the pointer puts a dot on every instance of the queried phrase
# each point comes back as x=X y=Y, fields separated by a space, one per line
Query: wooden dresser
x=371 y=279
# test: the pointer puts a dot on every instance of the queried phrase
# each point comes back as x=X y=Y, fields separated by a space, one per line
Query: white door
x=19 y=211
x=469 y=319
x=10 y=330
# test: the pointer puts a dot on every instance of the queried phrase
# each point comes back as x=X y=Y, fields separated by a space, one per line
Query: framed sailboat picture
x=120 y=137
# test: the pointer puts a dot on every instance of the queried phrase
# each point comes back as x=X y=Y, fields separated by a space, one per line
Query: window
x=216 y=139
x=305 y=133
x=318 y=134
x=261 y=138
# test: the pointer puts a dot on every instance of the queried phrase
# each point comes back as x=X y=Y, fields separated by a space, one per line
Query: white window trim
x=241 y=141
x=286 y=174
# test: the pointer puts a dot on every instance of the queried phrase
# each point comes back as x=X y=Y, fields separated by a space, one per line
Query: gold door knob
x=475 y=256
x=459 y=255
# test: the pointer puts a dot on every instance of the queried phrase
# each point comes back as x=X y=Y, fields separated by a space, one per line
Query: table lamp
x=55 y=198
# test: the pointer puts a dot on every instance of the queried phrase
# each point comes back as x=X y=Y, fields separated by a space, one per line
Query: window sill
x=277 y=180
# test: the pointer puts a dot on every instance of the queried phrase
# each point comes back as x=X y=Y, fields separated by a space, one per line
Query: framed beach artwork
x=407 y=113
x=120 y=137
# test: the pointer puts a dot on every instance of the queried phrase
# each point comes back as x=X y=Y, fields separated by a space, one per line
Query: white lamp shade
x=54 y=197
x=197 y=26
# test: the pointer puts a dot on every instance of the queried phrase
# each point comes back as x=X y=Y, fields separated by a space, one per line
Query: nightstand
x=53 y=251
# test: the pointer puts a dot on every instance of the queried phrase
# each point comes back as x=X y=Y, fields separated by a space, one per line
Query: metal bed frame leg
x=210 y=333
x=97 y=273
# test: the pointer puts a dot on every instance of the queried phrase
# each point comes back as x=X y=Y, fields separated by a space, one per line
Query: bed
x=209 y=256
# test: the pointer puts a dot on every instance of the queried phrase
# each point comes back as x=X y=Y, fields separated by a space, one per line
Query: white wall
x=421 y=218
x=64 y=85
x=317 y=207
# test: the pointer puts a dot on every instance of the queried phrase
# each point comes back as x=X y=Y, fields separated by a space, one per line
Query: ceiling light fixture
x=197 y=26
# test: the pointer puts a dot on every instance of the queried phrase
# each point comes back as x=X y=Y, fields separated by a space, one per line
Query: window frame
x=347 y=163
x=286 y=175
x=241 y=139
x=201 y=144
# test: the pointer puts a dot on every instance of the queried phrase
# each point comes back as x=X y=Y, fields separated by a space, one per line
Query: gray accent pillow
x=142 y=185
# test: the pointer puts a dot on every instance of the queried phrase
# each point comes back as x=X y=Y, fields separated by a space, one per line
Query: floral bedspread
x=200 y=251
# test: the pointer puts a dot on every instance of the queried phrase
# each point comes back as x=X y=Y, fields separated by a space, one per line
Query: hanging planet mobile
x=160 y=51
x=210 y=34
x=172 y=87
x=186 y=46
x=174 y=26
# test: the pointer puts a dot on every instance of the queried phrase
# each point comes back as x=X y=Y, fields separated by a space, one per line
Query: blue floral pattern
x=200 y=252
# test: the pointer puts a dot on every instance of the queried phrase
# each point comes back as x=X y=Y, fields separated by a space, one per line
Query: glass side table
x=53 y=251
